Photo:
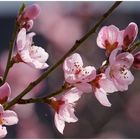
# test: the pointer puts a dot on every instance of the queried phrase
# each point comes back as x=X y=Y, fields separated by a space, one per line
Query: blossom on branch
x=130 y=34
x=78 y=75
x=86 y=80
x=110 y=37
x=28 y=53
x=5 y=92
x=64 y=108
x=101 y=86
x=25 y=20
x=7 y=117
x=118 y=69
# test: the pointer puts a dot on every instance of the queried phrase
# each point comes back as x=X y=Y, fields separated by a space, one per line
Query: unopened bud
x=136 y=63
x=31 y=12
x=130 y=34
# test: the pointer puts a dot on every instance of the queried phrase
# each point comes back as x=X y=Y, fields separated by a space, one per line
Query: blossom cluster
x=28 y=53
x=113 y=75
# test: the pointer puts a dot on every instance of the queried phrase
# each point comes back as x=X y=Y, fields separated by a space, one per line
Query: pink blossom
x=86 y=80
x=25 y=20
x=31 y=12
x=65 y=109
x=109 y=38
x=118 y=69
x=33 y=55
x=7 y=117
x=130 y=34
x=136 y=63
x=5 y=92
x=101 y=87
x=76 y=74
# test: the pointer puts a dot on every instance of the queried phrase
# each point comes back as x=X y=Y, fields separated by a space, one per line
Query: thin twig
x=11 y=46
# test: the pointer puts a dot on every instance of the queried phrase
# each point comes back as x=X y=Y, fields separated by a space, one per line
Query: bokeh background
x=59 y=25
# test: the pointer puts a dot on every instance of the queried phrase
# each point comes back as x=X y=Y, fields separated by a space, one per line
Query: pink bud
x=31 y=12
x=136 y=63
x=130 y=34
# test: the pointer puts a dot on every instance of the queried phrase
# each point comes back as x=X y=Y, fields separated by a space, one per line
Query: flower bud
x=136 y=63
x=130 y=34
x=31 y=12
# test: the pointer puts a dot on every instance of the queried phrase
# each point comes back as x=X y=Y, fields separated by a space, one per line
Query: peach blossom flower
x=30 y=54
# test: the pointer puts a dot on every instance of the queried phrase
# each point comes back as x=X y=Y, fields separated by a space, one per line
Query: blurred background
x=57 y=28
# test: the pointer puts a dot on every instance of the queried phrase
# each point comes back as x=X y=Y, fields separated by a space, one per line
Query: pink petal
x=84 y=87
x=25 y=56
x=5 y=92
x=32 y=12
x=67 y=113
x=125 y=59
x=107 y=85
x=59 y=123
x=71 y=61
x=120 y=86
x=112 y=58
x=21 y=39
x=87 y=74
x=3 y=131
x=108 y=33
x=70 y=78
x=36 y=64
x=72 y=95
x=123 y=78
x=9 y=117
x=102 y=97
x=131 y=31
x=29 y=39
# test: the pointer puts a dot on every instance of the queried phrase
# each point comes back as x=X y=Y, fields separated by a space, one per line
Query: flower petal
x=130 y=33
x=67 y=113
x=59 y=123
x=125 y=59
x=9 y=117
x=122 y=79
x=107 y=85
x=71 y=61
x=108 y=33
x=21 y=39
x=101 y=96
x=3 y=131
x=112 y=58
x=31 y=12
x=5 y=92
x=36 y=64
x=84 y=87
x=72 y=95
x=87 y=74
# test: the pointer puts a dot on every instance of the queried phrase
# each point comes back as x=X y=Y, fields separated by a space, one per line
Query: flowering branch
x=11 y=46
x=76 y=45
